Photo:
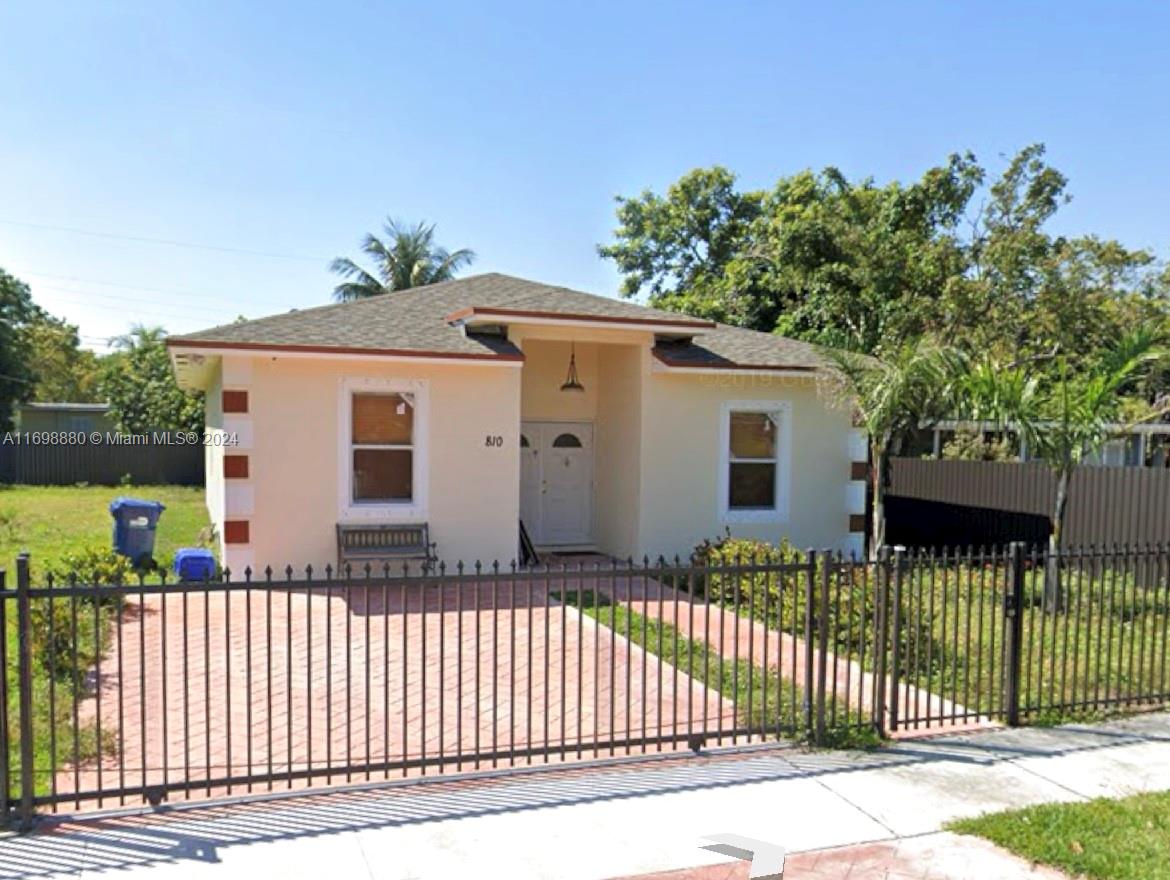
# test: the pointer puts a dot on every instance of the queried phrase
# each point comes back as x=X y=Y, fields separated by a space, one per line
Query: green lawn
x=51 y=522
x=765 y=701
x=1104 y=839
x=1107 y=646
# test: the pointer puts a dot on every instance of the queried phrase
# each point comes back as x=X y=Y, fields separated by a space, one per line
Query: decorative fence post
x=881 y=638
x=1014 y=631
x=24 y=693
x=894 y=698
x=810 y=592
x=825 y=559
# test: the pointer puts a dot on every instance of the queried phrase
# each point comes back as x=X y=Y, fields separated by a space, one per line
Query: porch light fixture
x=571 y=382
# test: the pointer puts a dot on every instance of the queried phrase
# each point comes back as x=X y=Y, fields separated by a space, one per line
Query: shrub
x=95 y=564
x=728 y=586
x=55 y=636
x=778 y=597
x=968 y=445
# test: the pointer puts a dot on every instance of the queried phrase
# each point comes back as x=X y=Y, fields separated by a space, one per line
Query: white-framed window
x=755 y=442
x=382 y=449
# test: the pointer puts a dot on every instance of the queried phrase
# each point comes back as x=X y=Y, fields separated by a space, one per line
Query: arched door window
x=567 y=441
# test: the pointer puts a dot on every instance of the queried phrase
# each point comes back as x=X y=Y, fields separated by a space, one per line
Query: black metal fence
x=155 y=458
x=933 y=503
x=126 y=694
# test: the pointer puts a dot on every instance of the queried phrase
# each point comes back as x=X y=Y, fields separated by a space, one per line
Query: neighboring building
x=1144 y=445
x=472 y=404
x=64 y=417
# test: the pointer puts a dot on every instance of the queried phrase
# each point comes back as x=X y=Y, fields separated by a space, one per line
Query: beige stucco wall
x=681 y=417
x=472 y=487
x=546 y=364
x=213 y=452
x=618 y=449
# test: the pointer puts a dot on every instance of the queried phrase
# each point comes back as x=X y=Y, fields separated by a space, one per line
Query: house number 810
x=493 y=440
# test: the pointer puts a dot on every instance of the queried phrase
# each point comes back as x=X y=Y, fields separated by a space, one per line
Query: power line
x=166 y=241
x=168 y=317
x=169 y=291
x=201 y=310
x=211 y=313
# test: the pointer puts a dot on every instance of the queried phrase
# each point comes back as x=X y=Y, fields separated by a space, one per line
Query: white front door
x=556 y=482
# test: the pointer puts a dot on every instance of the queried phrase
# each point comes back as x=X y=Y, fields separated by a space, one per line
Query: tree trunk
x=878 y=515
x=1053 y=592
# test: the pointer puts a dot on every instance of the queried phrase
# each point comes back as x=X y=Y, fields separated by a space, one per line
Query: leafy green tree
x=17 y=378
x=971 y=445
x=1064 y=417
x=912 y=387
x=858 y=266
x=408 y=257
x=64 y=370
x=140 y=385
x=817 y=257
x=869 y=267
x=678 y=247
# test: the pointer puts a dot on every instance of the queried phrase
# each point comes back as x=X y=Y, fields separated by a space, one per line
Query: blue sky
x=288 y=130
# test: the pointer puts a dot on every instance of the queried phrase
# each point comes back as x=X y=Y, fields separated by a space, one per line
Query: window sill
x=397 y=512
x=753 y=515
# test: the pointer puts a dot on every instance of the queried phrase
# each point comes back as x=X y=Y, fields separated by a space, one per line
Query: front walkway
x=850 y=687
x=266 y=685
x=275 y=688
x=588 y=824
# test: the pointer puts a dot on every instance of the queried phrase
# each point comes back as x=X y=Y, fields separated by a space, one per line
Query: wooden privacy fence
x=957 y=503
x=164 y=459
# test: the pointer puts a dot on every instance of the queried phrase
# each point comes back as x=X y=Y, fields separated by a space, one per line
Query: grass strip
x=1103 y=839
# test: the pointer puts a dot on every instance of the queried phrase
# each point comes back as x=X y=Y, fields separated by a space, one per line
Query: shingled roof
x=423 y=321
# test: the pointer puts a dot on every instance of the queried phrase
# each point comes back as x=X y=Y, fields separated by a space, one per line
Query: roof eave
x=219 y=347
x=665 y=364
x=473 y=315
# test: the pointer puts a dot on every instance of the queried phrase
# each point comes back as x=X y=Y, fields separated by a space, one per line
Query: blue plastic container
x=135 y=521
x=194 y=564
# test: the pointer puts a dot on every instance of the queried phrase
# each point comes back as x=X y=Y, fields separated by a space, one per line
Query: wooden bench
x=376 y=545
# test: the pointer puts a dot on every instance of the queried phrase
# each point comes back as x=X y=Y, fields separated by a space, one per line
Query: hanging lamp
x=572 y=383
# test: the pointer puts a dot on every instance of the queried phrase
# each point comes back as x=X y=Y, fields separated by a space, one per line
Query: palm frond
x=406 y=257
x=914 y=385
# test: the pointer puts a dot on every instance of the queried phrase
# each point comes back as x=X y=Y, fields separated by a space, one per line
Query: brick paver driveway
x=251 y=688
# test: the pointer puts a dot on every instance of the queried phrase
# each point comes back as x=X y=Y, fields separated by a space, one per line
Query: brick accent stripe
x=235 y=467
x=235 y=401
x=235 y=531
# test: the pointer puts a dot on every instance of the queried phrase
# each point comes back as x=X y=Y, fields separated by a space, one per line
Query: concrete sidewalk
x=618 y=821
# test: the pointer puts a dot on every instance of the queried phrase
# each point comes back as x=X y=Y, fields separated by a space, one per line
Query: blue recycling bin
x=135 y=522
x=194 y=564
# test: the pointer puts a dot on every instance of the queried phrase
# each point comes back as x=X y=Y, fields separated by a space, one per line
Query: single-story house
x=477 y=404
x=83 y=417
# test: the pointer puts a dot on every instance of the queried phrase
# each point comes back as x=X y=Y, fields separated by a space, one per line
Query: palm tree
x=1065 y=420
x=140 y=336
x=408 y=257
x=892 y=396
